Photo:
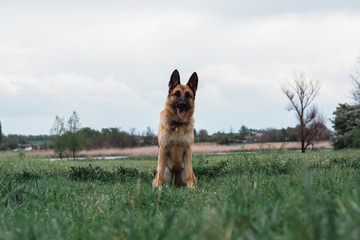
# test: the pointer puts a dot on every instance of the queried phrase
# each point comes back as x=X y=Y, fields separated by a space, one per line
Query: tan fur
x=175 y=155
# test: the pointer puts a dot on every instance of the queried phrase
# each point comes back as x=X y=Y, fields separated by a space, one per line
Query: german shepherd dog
x=176 y=134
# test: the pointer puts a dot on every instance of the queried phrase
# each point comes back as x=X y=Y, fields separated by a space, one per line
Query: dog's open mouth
x=180 y=113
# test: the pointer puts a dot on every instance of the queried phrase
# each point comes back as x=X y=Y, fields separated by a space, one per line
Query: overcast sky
x=111 y=61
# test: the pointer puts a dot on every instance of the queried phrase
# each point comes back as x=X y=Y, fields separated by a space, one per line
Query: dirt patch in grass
x=197 y=148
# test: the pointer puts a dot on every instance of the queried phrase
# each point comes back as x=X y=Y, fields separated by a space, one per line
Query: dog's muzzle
x=182 y=106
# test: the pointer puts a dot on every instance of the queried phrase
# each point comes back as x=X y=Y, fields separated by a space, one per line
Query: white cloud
x=112 y=63
x=71 y=89
x=26 y=96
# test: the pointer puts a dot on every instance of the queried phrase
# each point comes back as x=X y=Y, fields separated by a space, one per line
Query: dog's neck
x=175 y=126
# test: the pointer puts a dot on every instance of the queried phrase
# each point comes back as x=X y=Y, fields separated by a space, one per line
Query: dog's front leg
x=160 y=170
x=190 y=176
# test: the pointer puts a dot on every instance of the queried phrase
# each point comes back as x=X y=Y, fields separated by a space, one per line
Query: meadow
x=268 y=194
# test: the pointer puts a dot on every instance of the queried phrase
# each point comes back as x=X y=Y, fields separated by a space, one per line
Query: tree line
x=249 y=135
x=67 y=138
x=71 y=138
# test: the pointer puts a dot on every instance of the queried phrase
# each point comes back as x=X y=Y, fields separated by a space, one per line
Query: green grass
x=262 y=195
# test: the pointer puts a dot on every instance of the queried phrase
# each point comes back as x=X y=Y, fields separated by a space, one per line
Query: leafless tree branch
x=301 y=94
x=355 y=77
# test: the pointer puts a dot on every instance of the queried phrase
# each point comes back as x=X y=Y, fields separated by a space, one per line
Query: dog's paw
x=157 y=184
x=190 y=185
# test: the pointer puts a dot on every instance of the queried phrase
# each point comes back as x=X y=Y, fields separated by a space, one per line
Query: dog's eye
x=177 y=94
x=187 y=95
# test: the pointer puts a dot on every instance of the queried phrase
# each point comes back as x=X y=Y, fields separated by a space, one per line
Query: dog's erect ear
x=174 y=80
x=193 y=82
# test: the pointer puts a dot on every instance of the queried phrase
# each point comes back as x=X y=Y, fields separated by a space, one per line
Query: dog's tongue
x=181 y=115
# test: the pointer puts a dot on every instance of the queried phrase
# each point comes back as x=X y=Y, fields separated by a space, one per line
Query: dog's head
x=181 y=99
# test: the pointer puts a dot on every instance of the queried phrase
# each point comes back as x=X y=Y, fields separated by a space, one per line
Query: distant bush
x=211 y=171
x=347 y=126
x=345 y=162
x=120 y=174
x=352 y=138
x=25 y=175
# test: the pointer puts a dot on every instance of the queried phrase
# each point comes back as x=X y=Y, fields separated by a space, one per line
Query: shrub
x=210 y=171
x=121 y=174
x=352 y=138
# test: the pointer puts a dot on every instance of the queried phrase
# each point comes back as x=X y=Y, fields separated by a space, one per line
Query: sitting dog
x=176 y=134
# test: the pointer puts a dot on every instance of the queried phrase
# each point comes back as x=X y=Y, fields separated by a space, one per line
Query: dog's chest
x=176 y=149
x=169 y=140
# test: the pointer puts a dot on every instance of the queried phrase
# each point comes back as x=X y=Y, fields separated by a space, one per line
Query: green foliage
x=70 y=139
x=114 y=137
x=244 y=132
x=25 y=176
x=92 y=138
x=119 y=174
x=202 y=136
x=224 y=139
x=252 y=135
x=9 y=143
x=345 y=162
x=57 y=131
x=74 y=123
x=352 y=138
x=73 y=136
x=346 y=125
x=74 y=142
x=259 y=195
x=207 y=172
x=59 y=143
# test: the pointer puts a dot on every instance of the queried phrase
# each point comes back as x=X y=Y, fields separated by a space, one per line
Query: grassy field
x=257 y=195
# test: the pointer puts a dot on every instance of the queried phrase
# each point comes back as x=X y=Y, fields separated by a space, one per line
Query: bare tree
x=355 y=76
x=301 y=94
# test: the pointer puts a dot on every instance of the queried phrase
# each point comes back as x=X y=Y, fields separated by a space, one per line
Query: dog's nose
x=182 y=105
